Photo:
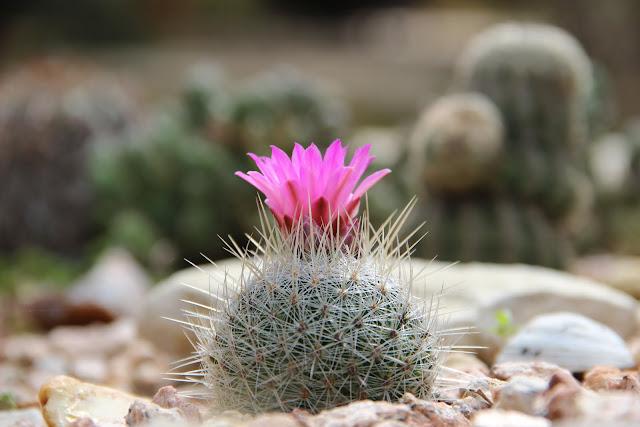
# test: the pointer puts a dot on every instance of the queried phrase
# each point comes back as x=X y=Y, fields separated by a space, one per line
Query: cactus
x=541 y=80
x=285 y=104
x=457 y=144
x=51 y=115
x=171 y=182
x=488 y=229
x=322 y=314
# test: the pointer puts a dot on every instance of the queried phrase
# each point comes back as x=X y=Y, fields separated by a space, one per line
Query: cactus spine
x=316 y=325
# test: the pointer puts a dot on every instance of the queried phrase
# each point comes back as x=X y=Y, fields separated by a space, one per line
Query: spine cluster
x=317 y=325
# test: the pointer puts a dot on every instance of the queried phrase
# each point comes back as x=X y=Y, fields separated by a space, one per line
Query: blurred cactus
x=284 y=104
x=51 y=112
x=538 y=76
x=169 y=182
x=162 y=186
x=492 y=230
x=541 y=80
x=457 y=144
x=505 y=164
x=205 y=96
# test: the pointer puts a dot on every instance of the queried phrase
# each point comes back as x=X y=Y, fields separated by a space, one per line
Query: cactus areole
x=316 y=325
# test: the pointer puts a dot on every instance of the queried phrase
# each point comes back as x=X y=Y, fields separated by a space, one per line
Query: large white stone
x=163 y=308
x=569 y=340
x=116 y=283
x=65 y=400
x=470 y=295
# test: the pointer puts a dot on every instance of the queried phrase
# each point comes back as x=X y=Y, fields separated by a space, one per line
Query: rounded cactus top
x=308 y=187
x=545 y=48
x=457 y=143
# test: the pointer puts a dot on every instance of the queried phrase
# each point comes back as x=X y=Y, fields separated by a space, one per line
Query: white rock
x=471 y=295
x=569 y=340
x=166 y=301
x=502 y=418
x=521 y=394
x=30 y=417
x=475 y=292
x=117 y=284
x=618 y=271
x=65 y=400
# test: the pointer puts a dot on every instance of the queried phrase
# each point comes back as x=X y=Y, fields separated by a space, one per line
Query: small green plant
x=504 y=324
x=7 y=401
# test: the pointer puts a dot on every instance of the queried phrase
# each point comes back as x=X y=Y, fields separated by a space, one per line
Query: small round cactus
x=457 y=144
x=322 y=315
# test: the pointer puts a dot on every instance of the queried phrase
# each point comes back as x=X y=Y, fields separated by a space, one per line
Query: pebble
x=618 y=271
x=609 y=378
x=521 y=393
x=65 y=400
x=116 y=284
x=504 y=418
x=570 y=340
x=540 y=369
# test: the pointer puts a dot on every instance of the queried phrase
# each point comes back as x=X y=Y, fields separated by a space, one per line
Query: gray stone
x=167 y=301
x=116 y=283
x=569 y=340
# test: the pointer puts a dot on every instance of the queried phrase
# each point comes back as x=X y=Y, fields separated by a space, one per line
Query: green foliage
x=284 y=106
x=35 y=265
x=504 y=324
x=169 y=184
x=7 y=401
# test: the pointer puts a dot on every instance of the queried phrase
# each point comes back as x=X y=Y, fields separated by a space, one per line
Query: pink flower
x=308 y=186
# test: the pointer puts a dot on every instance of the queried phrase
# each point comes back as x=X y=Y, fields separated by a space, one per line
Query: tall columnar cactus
x=540 y=79
x=322 y=314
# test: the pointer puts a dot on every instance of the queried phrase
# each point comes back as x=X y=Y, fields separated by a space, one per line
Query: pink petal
x=369 y=182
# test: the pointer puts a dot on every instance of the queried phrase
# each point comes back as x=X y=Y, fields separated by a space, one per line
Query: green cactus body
x=492 y=230
x=285 y=104
x=317 y=328
x=540 y=79
x=169 y=179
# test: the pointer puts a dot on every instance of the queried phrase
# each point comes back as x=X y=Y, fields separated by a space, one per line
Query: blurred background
x=122 y=123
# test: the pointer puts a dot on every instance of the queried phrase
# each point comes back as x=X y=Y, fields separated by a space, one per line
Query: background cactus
x=530 y=199
x=541 y=81
x=163 y=190
x=51 y=115
x=457 y=144
x=488 y=229
x=284 y=104
x=159 y=189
